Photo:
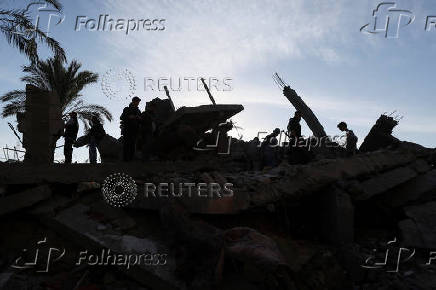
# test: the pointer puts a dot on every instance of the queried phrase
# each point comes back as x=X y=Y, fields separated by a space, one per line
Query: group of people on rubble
x=95 y=133
x=139 y=127
x=134 y=125
x=268 y=153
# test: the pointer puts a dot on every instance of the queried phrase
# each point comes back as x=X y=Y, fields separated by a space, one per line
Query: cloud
x=225 y=36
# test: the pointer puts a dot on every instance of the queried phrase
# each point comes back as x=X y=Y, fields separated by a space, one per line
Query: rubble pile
x=291 y=227
x=335 y=221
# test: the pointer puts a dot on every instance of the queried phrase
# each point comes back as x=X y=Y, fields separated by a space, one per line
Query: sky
x=317 y=47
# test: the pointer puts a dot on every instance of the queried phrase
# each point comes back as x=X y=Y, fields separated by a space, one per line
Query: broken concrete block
x=300 y=180
x=5 y=277
x=74 y=223
x=410 y=234
x=380 y=135
x=323 y=271
x=24 y=199
x=424 y=216
x=383 y=182
x=43 y=125
x=124 y=223
x=421 y=166
x=87 y=186
x=337 y=216
x=411 y=190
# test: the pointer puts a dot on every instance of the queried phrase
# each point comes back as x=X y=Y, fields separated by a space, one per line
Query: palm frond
x=20 y=32
x=13 y=95
x=66 y=82
x=13 y=107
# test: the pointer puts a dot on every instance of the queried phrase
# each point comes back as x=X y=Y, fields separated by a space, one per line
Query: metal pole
x=208 y=92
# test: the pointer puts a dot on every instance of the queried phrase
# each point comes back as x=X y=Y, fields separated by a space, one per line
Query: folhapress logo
x=45 y=18
x=388 y=19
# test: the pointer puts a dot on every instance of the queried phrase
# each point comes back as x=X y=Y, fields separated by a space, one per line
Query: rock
x=337 y=216
x=410 y=234
x=87 y=186
x=74 y=223
x=411 y=190
x=424 y=217
x=323 y=272
x=24 y=199
x=383 y=182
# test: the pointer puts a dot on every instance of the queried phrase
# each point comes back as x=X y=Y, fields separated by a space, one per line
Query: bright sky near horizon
x=343 y=74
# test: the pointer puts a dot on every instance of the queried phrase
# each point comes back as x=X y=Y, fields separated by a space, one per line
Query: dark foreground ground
x=325 y=225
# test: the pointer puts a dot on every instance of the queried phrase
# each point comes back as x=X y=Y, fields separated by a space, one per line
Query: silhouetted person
x=296 y=154
x=351 y=139
x=294 y=127
x=269 y=150
x=252 y=152
x=130 y=121
x=70 y=136
x=96 y=133
x=147 y=129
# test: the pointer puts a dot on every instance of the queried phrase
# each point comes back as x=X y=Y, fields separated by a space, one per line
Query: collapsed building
x=294 y=226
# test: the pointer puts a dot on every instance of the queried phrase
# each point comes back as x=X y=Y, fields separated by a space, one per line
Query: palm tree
x=66 y=82
x=16 y=25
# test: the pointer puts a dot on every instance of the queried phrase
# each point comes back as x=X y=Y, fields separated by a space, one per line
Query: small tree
x=66 y=82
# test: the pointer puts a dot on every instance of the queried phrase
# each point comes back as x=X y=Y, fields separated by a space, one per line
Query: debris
x=26 y=198
x=87 y=186
x=380 y=135
x=292 y=226
x=423 y=226
x=300 y=105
